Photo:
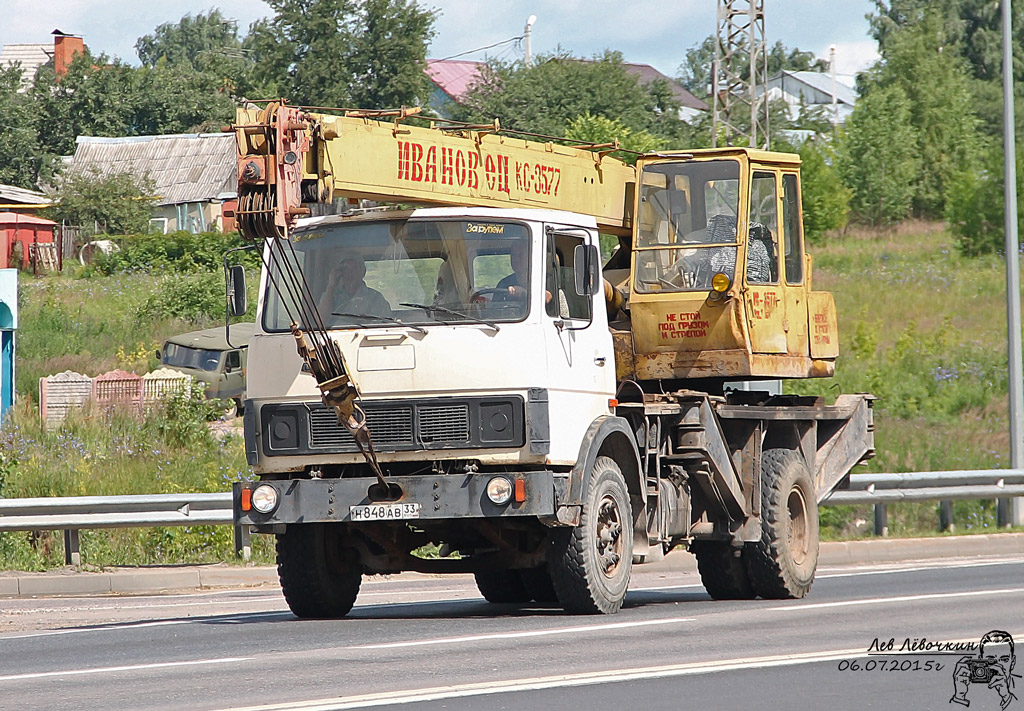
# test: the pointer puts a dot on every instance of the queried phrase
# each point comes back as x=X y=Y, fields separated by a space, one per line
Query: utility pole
x=740 y=75
x=527 y=47
x=835 y=98
x=1011 y=511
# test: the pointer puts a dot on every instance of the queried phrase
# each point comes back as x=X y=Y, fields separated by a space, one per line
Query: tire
x=590 y=564
x=723 y=572
x=537 y=582
x=320 y=579
x=782 y=564
x=501 y=586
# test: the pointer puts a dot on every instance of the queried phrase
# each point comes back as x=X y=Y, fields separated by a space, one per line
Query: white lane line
x=128 y=668
x=489 y=688
x=902 y=598
x=519 y=635
x=918 y=567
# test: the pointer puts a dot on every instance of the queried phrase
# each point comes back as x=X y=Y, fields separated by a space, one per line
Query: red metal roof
x=11 y=218
x=453 y=76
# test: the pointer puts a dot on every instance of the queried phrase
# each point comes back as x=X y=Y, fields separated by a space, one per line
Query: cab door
x=763 y=294
x=793 y=266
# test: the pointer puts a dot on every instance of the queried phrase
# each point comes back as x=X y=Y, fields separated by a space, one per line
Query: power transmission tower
x=739 y=75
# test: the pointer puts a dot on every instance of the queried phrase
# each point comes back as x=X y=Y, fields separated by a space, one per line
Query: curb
x=135 y=581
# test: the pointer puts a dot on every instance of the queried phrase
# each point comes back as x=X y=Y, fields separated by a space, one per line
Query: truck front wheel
x=783 y=562
x=590 y=564
x=319 y=577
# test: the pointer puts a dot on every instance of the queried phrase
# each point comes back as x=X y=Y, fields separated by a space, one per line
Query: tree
x=974 y=204
x=198 y=42
x=20 y=158
x=102 y=97
x=878 y=157
x=116 y=203
x=600 y=129
x=558 y=88
x=695 y=71
x=343 y=53
x=826 y=201
x=941 y=108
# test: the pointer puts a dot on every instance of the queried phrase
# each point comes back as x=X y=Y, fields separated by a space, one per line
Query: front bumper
x=443 y=496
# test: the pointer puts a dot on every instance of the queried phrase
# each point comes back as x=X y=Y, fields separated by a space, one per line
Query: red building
x=18 y=234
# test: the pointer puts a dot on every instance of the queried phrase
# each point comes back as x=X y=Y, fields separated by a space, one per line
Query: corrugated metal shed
x=12 y=194
x=185 y=168
x=30 y=56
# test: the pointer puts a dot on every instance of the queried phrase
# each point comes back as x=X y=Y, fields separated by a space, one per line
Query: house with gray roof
x=194 y=174
x=812 y=89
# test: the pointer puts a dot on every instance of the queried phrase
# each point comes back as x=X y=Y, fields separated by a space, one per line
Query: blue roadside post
x=8 y=325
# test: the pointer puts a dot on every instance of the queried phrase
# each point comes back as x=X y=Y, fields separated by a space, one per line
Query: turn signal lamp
x=246 y=502
x=520 y=491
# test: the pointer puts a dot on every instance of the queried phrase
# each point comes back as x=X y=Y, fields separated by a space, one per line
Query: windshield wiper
x=379 y=318
x=451 y=312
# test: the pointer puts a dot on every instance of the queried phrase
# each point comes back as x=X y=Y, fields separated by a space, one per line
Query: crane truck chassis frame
x=548 y=440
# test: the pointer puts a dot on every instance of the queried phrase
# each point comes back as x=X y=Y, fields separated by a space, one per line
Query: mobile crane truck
x=468 y=376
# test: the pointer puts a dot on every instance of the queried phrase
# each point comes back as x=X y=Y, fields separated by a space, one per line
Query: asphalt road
x=433 y=643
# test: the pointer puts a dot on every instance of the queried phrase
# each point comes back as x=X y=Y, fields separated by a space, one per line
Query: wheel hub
x=609 y=536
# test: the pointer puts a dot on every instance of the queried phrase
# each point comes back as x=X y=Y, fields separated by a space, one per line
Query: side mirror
x=238 y=300
x=585 y=259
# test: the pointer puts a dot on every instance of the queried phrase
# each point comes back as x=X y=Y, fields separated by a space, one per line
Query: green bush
x=175 y=252
x=191 y=297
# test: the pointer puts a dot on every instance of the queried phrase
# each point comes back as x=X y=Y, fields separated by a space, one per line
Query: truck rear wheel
x=782 y=564
x=537 y=582
x=319 y=577
x=501 y=586
x=723 y=570
x=590 y=564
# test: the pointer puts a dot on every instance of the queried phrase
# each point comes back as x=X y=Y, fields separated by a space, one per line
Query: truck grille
x=444 y=424
x=406 y=425
x=392 y=427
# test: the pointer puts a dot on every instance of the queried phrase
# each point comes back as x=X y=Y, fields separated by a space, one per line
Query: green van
x=208 y=358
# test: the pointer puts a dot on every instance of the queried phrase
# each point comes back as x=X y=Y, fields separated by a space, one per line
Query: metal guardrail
x=945 y=487
x=71 y=514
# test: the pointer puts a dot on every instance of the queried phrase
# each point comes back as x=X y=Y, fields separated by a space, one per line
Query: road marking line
x=902 y=598
x=133 y=667
x=489 y=688
x=519 y=635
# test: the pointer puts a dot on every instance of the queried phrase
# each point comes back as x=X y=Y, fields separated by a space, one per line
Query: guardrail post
x=946 y=516
x=881 y=520
x=72 y=555
x=243 y=544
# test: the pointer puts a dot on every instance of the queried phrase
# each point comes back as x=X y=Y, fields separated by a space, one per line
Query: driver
x=513 y=287
x=346 y=291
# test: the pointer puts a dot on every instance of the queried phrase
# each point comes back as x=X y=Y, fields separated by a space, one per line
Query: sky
x=655 y=32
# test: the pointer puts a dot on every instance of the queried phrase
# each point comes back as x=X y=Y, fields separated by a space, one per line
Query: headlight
x=264 y=498
x=499 y=490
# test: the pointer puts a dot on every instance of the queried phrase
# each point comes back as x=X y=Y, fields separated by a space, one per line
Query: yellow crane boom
x=365 y=155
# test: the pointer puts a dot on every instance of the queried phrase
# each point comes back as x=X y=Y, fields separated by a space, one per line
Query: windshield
x=417 y=272
x=185 y=357
x=686 y=232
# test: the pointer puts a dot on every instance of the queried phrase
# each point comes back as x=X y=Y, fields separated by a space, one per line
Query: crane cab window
x=793 y=229
x=686 y=230
x=763 y=230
